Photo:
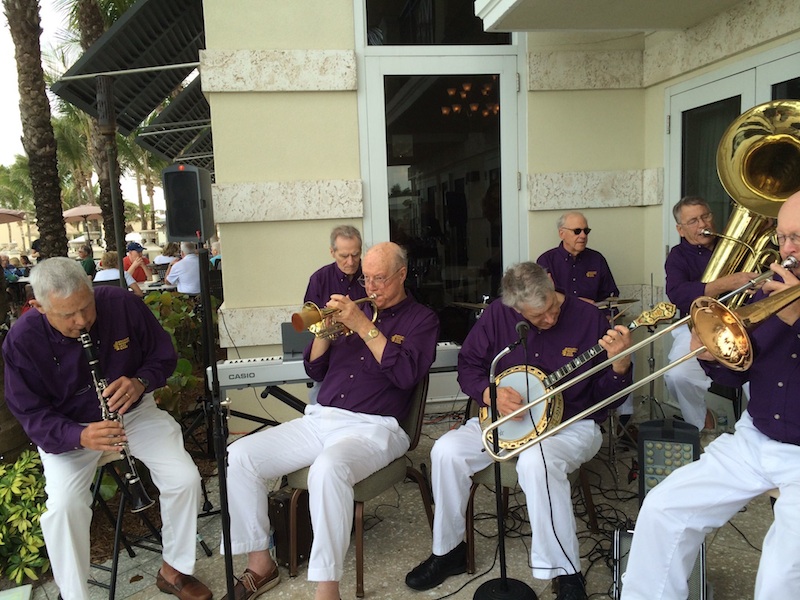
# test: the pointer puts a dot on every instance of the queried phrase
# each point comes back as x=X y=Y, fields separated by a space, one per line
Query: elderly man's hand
x=349 y=314
x=615 y=341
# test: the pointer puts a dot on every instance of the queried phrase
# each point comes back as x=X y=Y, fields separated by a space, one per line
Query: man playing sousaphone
x=762 y=454
x=560 y=329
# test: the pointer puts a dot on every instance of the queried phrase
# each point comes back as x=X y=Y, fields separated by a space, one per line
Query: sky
x=53 y=22
x=11 y=130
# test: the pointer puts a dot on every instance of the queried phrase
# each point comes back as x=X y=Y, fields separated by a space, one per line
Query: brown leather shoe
x=251 y=584
x=186 y=587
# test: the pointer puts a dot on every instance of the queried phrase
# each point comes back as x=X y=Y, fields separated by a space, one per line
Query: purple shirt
x=353 y=379
x=774 y=378
x=579 y=327
x=586 y=275
x=684 y=266
x=330 y=279
x=48 y=383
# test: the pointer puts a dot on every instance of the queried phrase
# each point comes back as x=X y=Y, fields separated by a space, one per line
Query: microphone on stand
x=504 y=587
x=522 y=331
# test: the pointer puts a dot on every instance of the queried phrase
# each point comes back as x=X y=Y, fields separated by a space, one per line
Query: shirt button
x=351 y=376
x=341 y=395
x=776 y=417
x=794 y=355
x=780 y=384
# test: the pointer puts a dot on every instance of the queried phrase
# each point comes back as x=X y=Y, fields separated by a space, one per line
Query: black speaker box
x=190 y=212
x=279 y=518
x=622 y=546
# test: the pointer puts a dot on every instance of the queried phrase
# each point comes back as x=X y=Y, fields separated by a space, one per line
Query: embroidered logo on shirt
x=591 y=274
x=569 y=352
x=398 y=339
x=122 y=344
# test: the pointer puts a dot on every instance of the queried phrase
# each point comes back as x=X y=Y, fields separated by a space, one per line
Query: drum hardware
x=539 y=419
x=722 y=331
x=613 y=302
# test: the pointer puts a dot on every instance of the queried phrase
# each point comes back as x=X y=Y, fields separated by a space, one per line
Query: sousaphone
x=758 y=162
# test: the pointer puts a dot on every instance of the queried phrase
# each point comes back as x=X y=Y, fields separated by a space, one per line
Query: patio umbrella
x=9 y=215
x=84 y=212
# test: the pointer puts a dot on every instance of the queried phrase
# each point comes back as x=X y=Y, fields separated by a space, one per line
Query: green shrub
x=22 y=503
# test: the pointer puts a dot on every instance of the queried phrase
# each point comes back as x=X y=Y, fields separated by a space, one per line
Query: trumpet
x=322 y=321
x=723 y=332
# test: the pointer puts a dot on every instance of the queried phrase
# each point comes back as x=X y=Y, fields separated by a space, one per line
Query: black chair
x=111 y=282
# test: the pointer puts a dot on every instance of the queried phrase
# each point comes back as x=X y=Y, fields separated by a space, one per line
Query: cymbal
x=613 y=302
x=470 y=305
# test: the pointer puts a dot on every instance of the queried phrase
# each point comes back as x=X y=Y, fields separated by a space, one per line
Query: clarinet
x=139 y=498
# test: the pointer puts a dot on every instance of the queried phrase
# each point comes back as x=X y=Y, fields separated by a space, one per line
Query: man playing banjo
x=555 y=330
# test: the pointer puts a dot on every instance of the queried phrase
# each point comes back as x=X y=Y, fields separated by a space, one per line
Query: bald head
x=788 y=228
x=384 y=267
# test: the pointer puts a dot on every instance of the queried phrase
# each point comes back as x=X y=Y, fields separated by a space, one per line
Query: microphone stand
x=218 y=414
x=502 y=588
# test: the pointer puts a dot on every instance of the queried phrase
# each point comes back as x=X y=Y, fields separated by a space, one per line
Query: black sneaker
x=436 y=569
x=570 y=587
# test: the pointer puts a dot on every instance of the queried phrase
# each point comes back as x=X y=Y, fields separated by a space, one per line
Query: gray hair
x=347 y=232
x=188 y=247
x=563 y=218
x=688 y=201
x=216 y=246
x=526 y=284
x=58 y=277
x=86 y=249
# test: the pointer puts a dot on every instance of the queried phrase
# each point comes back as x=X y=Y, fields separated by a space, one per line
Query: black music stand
x=501 y=588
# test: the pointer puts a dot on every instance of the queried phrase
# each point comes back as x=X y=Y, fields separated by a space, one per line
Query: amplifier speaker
x=187 y=194
x=279 y=518
x=622 y=545
x=664 y=445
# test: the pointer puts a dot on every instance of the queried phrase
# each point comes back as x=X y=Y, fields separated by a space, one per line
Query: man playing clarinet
x=50 y=389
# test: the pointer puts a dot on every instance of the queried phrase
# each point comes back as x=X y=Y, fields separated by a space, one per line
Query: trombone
x=722 y=331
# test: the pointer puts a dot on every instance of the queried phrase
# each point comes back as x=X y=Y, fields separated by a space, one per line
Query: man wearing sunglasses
x=578 y=271
x=685 y=265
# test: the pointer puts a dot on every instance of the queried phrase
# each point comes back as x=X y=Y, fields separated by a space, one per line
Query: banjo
x=531 y=382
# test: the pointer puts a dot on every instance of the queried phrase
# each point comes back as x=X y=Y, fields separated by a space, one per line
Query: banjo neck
x=662 y=311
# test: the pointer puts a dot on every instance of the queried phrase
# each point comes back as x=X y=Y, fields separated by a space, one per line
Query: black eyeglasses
x=577 y=230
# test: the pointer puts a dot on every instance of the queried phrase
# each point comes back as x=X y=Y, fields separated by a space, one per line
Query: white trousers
x=155 y=438
x=679 y=512
x=542 y=470
x=341 y=447
x=687 y=382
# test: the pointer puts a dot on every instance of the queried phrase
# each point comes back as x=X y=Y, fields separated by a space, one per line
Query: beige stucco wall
x=282 y=84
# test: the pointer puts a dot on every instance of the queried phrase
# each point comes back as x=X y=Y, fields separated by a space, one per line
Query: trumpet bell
x=308 y=315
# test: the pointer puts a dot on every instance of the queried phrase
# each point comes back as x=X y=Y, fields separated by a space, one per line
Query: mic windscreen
x=522 y=331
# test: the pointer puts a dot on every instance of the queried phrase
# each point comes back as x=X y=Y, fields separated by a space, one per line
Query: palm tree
x=38 y=139
x=146 y=168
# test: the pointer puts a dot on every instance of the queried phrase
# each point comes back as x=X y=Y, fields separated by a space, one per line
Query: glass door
x=443 y=175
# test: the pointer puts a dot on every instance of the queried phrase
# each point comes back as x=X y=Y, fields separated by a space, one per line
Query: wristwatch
x=371 y=334
x=144 y=382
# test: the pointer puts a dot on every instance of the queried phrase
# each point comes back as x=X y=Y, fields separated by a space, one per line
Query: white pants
x=342 y=448
x=458 y=454
x=687 y=382
x=678 y=513
x=155 y=438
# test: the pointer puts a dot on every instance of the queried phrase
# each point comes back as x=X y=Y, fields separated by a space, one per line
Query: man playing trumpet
x=560 y=328
x=353 y=431
x=763 y=454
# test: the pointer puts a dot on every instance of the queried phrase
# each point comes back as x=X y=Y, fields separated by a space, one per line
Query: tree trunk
x=38 y=138
x=103 y=147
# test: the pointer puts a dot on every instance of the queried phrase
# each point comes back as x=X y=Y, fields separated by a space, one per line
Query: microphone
x=522 y=331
